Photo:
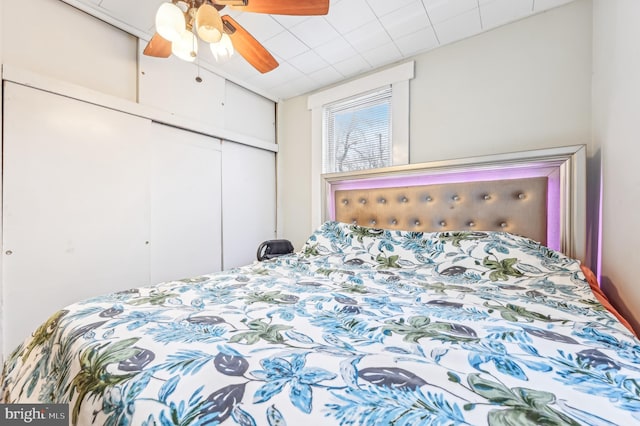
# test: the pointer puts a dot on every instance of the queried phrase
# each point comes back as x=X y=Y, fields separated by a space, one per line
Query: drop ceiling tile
x=443 y=10
x=352 y=66
x=281 y=75
x=383 y=7
x=314 y=32
x=289 y=21
x=500 y=12
x=346 y=16
x=262 y=27
x=235 y=13
x=417 y=42
x=335 y=51
x=295 y=87
x=541 y=5
x=382 y=55
x=326 y=76
x=285 y=45
x=406 y=20
x=368 y=37
x=377 y=32
x=308 y=62
x=459 y=27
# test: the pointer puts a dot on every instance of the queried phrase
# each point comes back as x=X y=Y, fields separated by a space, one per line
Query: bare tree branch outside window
x=361 y=138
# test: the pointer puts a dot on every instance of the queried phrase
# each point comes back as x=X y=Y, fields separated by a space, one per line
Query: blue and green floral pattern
x=362 y=326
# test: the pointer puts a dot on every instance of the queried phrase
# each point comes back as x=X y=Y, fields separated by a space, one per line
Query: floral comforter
x=362 y=326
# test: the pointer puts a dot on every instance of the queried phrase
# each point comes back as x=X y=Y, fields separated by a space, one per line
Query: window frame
x=398 y=78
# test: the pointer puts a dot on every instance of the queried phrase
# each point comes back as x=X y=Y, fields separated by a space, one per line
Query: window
x=357 y=92
x=357 y=132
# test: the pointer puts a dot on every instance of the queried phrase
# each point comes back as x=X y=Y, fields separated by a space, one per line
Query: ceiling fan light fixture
x=222 y=50
x=186 y=47
x=170 y=22
x=199 y=21
x=208 y=23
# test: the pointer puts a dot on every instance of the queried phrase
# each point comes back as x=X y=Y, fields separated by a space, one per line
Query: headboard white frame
x=565 y=168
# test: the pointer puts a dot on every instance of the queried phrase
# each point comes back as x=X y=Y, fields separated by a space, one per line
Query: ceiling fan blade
x=279 y=7
x=248 y=47
x=158 y=47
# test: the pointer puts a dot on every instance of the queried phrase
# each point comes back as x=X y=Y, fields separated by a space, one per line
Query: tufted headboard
x=539 y=194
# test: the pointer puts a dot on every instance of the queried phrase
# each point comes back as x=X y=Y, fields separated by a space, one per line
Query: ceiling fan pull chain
x=198 y=78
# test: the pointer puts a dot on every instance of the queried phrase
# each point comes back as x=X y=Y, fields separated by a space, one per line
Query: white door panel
x=248 y=201
x=186 y=234
x=75 y=207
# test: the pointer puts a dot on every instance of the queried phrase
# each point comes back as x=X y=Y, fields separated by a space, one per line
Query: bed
x=385 y=323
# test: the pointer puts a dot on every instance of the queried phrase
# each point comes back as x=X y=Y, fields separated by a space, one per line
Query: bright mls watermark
x=34 y=414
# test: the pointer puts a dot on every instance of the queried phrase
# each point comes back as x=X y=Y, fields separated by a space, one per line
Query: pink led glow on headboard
x=563 y=167
x=471 y=175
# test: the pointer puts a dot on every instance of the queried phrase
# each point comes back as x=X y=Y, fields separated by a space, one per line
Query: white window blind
x=357 y=132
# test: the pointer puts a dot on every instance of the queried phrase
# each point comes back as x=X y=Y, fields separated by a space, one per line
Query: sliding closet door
x=248 y=201
x=186 y=235
x=75 y=207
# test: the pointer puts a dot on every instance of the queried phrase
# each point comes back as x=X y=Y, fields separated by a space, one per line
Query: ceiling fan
x=178 y=22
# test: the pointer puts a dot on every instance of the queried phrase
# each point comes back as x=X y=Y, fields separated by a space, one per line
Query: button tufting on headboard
x=494 y=205
x=552 y=181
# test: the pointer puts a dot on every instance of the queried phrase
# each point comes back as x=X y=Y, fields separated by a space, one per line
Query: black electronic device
x=274 y=248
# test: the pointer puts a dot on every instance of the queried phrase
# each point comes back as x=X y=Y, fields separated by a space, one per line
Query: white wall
x=294 y=167
x=523 y=86
x=616 y=137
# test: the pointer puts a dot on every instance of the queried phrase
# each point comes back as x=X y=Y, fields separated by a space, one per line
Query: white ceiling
x=355 y=37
